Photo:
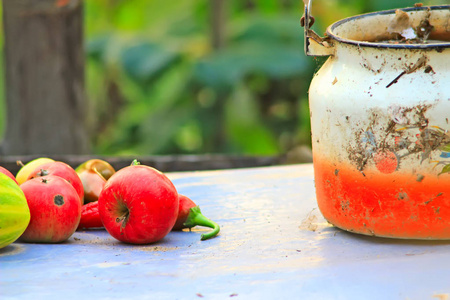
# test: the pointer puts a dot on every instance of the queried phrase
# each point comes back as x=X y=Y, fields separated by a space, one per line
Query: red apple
x=55 y=209
x=138 y=205
x=8 y=173
x=62 y=170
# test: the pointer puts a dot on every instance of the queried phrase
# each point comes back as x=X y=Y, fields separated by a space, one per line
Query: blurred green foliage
x=160 y=86
x=156 y=83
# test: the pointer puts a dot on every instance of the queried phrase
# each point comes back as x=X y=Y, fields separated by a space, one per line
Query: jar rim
x=438 y=46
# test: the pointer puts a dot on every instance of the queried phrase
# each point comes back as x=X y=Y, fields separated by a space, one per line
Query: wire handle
x=314 y=45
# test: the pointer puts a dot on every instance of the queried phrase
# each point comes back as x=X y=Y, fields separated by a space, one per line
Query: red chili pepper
x=90 y=218
x=189 y=215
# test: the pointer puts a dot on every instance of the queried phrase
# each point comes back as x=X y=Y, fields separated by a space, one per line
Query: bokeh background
x=195 y=77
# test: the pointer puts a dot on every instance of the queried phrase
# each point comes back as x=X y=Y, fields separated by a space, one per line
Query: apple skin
x=138 y=205
x=63 y=170
x=29 y=167
x=8 y=173
x=93 y=174
x=55 y=209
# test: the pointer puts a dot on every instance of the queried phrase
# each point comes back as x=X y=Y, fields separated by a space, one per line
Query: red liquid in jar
x=414 y=206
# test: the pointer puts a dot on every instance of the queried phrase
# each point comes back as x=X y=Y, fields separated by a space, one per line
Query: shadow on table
x=391 y=241
x=11 y=249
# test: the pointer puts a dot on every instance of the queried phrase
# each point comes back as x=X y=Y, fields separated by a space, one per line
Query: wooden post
x=44 y=77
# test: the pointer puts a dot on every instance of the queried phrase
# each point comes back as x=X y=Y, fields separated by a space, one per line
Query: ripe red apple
x=138 y=205
x=8 y=173
x=55 y=209
x=63 y=170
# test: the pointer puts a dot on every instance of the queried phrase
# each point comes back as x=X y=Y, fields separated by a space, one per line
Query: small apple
x=63 y=170
x=55 y=209
x=14 y=211
x=8 y=173
x=138 y=205
x=29 y=167
x=93 y=174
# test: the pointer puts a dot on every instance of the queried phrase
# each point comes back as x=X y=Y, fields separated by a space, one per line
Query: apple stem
x=19 y=163
x=196 y=217
x=123 y=218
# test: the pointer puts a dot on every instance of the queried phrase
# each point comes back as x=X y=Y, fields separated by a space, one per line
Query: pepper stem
x=135 y=162
x=196 y=217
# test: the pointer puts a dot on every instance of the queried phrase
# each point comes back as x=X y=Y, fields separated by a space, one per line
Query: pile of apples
x=47 y=201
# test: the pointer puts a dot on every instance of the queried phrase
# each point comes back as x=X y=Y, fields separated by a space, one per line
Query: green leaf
x=96 y=47
x=225 y=69
x=245 y=126
x=146 y=61
x=157 y=128
x=445 y=169
x=281 y=29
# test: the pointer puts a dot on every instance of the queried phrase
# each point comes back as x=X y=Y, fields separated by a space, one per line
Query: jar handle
x=314 y=44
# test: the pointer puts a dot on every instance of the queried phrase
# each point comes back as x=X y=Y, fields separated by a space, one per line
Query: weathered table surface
x=273 y=244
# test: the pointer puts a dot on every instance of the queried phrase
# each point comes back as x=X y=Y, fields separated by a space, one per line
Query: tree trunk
x=217 y=21
x=44 y=77
x=218 y=24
